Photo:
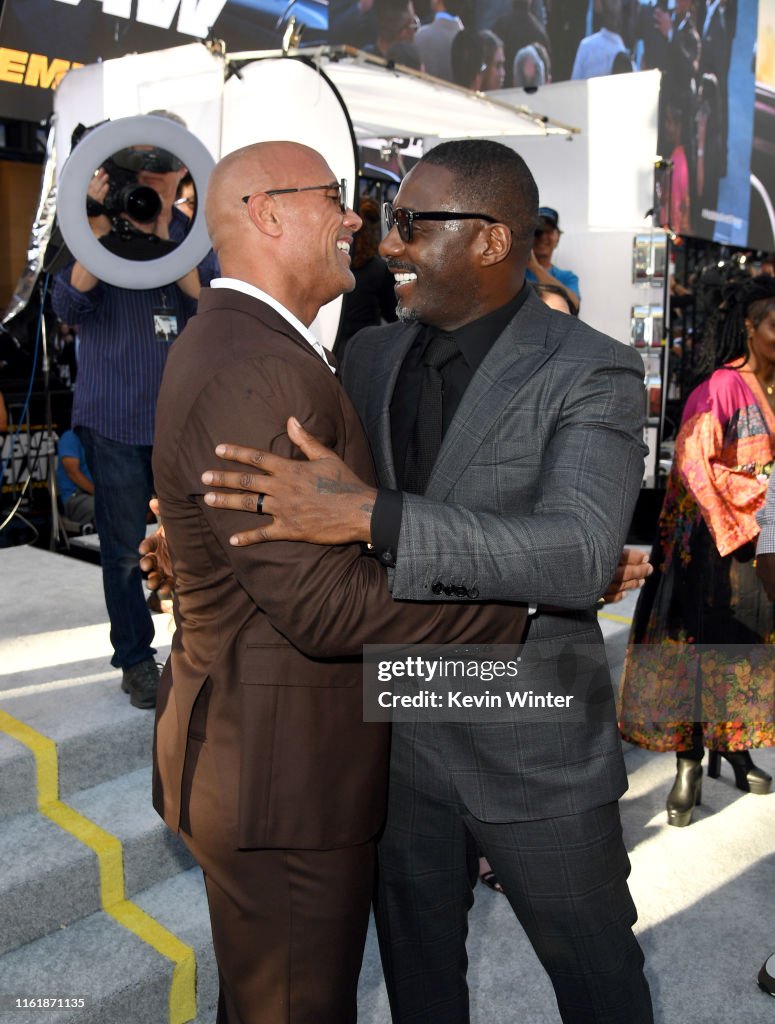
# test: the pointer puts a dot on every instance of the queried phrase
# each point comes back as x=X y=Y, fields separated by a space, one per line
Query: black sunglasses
x=339 y=186
x=403 y=219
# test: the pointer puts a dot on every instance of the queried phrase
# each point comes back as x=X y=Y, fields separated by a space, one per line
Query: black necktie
x=426 y=437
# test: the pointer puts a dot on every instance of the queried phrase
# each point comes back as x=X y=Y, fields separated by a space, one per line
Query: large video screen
x=762 y=211
x=40 y=40
x=716 y=117
x=706 y=121
x=716 y=110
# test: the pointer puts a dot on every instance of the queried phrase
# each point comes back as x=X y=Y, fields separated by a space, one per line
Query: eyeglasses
x=403 y=219
x=339 y=186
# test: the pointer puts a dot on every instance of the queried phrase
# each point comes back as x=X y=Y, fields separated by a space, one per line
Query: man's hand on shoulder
x=320 y=501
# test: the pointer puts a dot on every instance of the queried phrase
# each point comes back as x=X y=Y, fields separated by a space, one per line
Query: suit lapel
x=382 y=384
x=518 y=354
x=230 y=298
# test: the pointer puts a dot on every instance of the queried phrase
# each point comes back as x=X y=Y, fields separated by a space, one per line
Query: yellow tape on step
x=182 y=1001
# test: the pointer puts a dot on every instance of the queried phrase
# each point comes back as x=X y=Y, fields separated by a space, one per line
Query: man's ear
x=263 y=213
x=499 y=244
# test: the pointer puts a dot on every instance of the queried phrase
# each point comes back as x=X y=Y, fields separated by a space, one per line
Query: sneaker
x=141 y=682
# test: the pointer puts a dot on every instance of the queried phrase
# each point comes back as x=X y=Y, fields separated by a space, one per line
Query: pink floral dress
x=700 y=641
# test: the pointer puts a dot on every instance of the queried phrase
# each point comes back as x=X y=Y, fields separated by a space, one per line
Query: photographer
x=124 y=337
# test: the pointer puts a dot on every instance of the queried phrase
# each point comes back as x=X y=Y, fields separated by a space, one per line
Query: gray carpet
x=705 y=894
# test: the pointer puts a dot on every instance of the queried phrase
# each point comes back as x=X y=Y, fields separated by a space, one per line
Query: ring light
x=90 y=153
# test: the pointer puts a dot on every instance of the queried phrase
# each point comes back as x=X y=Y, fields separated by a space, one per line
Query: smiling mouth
x=343 y=247
x=403 y=278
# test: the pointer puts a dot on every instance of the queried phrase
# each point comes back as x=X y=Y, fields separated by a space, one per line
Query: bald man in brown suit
x=262 y=758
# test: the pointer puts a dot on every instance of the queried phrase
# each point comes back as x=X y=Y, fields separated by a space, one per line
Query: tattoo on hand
x=328 y=486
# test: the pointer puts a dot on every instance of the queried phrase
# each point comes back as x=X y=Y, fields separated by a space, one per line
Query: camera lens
x=140 y=202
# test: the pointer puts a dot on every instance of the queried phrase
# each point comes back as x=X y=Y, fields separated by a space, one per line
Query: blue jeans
x=123 y=486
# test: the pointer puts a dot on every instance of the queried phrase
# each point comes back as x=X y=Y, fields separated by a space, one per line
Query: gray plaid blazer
x=530 y=501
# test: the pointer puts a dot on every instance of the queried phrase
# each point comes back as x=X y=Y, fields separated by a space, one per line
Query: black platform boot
x=748 y=777
x=686 y=793
x=766 y=977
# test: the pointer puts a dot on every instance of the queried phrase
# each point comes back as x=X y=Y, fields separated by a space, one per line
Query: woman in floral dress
x=698 y=672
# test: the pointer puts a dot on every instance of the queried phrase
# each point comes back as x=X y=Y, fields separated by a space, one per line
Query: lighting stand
x=57 y=528
x=665 y=166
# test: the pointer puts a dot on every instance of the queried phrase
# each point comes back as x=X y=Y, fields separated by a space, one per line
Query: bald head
x=264 y=165
x=293 y=244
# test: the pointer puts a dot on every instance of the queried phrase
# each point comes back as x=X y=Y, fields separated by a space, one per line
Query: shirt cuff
x=386 y=525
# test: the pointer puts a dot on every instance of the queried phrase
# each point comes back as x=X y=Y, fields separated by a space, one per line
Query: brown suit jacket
x=269 y=637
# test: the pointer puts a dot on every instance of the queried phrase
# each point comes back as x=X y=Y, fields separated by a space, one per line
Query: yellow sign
x=35 y=69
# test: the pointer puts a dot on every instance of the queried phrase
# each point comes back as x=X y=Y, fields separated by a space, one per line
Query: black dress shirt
x=474 y=341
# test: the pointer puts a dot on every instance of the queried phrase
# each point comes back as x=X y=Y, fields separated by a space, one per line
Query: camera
x=125 y=194
x=131 y=207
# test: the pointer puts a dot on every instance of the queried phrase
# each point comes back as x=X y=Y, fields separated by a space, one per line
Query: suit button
x=460 y=591
x=387 y=557
x=473 y=593
x=437 y=587
x=448 y=590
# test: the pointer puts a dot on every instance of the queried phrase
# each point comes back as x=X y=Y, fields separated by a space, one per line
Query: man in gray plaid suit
x=527 y=497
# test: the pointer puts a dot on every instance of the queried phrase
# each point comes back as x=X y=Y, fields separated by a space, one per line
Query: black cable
x=4 y=465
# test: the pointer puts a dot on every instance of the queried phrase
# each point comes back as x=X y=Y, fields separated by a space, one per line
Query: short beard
x=406 y=315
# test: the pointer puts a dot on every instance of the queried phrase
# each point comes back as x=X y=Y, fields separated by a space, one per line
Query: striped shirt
x=120 y=361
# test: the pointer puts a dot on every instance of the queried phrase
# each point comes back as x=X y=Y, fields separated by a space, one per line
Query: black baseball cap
x=153 y=159
x=548 y=219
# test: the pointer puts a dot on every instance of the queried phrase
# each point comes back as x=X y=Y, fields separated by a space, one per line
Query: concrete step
x=98 y=734
x=122 y=979
x=54 y=938
x=51 y=879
